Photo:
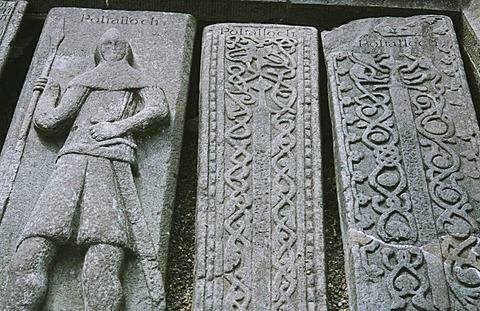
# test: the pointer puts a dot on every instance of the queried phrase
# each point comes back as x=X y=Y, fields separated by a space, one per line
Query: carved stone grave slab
x=259 y=214
x=88 y=169
x=407 y=159
x=11 y=16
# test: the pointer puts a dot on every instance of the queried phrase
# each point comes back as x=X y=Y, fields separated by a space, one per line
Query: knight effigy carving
x=91 y=199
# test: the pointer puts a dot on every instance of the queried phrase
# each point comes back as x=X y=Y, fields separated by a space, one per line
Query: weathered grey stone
x=259 y=214
x=209 y=10
x=326 y=14
x=11 y=16
x=216 y=10
x=407 y=159
x=469 y=38
x=446 y=5
x=88 y=170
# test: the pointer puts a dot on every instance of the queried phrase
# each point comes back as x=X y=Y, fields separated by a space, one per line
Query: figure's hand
x=105 y=130
x=40 y=84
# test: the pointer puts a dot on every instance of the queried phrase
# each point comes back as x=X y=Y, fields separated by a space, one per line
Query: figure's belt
x=117 y=140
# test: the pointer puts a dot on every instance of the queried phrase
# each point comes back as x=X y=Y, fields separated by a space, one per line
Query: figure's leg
x=28 y=274
x=102 y=289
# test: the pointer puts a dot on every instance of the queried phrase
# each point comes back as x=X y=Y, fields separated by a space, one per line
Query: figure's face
x=113 y=50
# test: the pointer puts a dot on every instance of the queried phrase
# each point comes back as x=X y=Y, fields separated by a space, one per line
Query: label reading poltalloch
x=119 y=20
x=257 y=31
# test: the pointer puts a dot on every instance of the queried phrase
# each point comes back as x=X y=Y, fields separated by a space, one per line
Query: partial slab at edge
x=11 y=16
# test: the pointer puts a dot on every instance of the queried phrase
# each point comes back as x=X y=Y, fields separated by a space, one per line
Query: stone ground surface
x=182 y=248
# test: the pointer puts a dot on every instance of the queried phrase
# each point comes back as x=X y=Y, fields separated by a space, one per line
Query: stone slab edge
x=210 y=10
x=447 y=5
x=13 y=25
x=245 y=11
x=469 y=38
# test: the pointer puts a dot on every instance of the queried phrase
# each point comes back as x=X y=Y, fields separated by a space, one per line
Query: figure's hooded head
x=113 y=47
x=114 y=66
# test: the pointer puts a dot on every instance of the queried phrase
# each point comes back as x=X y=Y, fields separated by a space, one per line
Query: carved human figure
x=87 y=199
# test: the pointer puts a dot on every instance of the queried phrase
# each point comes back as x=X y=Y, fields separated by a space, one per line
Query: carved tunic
x=85 y=198
x=97 y=108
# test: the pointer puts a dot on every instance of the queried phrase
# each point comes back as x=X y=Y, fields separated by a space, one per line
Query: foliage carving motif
x=371 y=114
x=367 y=85
x=259 y=71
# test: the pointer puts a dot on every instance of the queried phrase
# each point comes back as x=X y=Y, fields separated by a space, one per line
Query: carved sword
x=11 y=170
x=142 y=238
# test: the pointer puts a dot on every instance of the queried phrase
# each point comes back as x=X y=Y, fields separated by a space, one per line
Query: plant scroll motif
x=259 y=71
